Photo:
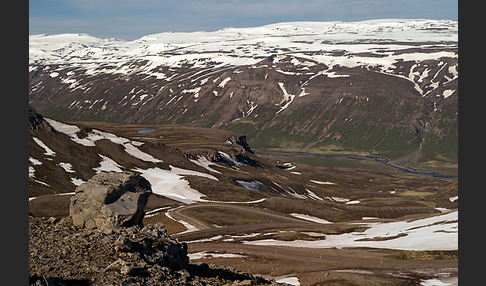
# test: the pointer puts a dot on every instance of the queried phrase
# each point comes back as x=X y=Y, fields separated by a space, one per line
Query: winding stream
x=382 y=160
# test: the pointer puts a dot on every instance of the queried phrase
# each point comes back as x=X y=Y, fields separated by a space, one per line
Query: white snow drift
x=434 y=233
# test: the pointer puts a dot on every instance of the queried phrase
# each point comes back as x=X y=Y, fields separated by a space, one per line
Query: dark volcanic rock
x=110 y=200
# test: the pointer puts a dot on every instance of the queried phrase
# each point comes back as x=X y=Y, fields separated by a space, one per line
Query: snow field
x=217 y=49
x=95 y=135
x=171 y=183
x=434 y=233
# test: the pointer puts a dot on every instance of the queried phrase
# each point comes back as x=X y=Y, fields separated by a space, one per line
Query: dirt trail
x=180 y=213
x=338 y=258
x=310 y=265
x=316 y=266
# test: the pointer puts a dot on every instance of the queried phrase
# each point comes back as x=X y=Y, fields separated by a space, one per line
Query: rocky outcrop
x=37 y=122
x=239 y=152
x=110 y=200
x=62 y=254
x=241 y=141
x=58 y=249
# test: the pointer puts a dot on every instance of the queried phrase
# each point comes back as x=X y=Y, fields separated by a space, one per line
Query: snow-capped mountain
x=385 y=86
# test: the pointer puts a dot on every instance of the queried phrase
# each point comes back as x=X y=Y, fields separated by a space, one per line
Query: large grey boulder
x=110 y=200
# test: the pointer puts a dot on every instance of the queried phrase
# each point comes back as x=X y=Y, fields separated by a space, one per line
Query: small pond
x=145 y=131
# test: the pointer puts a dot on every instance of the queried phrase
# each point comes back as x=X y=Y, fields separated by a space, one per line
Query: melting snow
x=289 y=280
x=205 y=163
x=214 y=238
x=108 y=165
x=228 y=159
x=303 y=93
x=31 y=172
x=95 y=135
x=135 y=152
x=171 y=184
x=448 y=93
x=35 y=161
x=312 y=195
x=184 y=172
x=310 y=218
x=434 y=282
x=434 y=233
x=204 y=254
x=95 y=55
x=224 y=82
x=67 y=167
x=253 y=185
x=322 y=183
x=340 y=200
x=194 y=90
x=287 y=97
x=48 y=152
x=77 y=181
x=245 y=202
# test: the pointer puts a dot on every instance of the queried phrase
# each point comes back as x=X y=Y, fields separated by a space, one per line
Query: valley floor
x=286 y=248
x=290 y=247
x=300 y=220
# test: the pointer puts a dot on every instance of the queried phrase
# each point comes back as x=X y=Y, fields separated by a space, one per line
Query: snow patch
x=253 y=185
x=77 y=181
x=289 y=280
x=135 y=152
x=205 y=163
x=310 y=218
x=434 y=233
x=287 y=97
x=322 y=183
x=205 y=255
x=48 y=152
x=448 y=92
x=171 y=183
x=195 y=91
x=224 y=82
x=311 y=194
x=214 y=238
x=340 y=200
x=108 y=165
x=31 y=172
x=67 y=167
x=95 y=135
x=35 y=162
x=434 y=282
x=228 y=159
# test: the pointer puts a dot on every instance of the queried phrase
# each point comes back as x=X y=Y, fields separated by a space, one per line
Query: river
x=385 y=161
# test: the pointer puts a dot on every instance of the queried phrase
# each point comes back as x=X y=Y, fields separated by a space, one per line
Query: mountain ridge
x=267 y=79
